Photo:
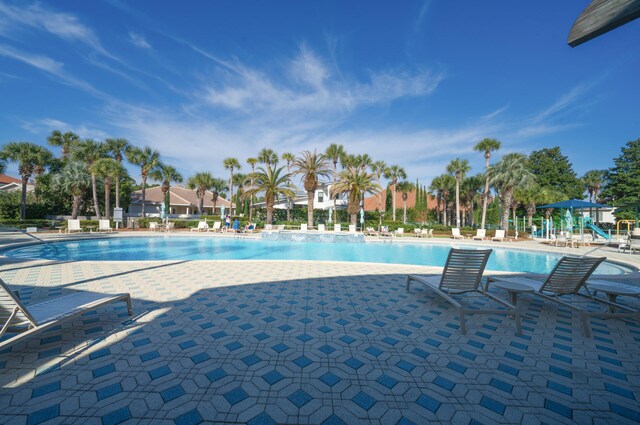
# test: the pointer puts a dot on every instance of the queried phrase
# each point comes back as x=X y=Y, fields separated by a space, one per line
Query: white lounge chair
x=170 y=227
x=352 y=228
x=215 y=227
x=384 y=231
x=455 y=233
x=303 y=227
x=202 y=226
x=73 y=226
x=153 y=226
x=104 y=226
x=462 y=274
x=481 y=234
x=336 y=228
x=568 y=277
x=321 y=228
x=399 y=232
x=426 y=233
x=499 y=236
x=268 y=227
x=28 y=320
x=417 y=233
x=370 y=231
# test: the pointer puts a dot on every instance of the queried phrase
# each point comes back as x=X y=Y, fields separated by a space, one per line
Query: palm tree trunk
x=444 y=212
x=404 y=212
x=23 y=199
x=117 y=191
x=75 y=206
x=335 y=197
x=231 y=194
x=457 y=202
x=508 y=195
x=394 y=201
x=144 y=189
x=107 y=192
x=471 y=217
x=94 y=189
x=310 y=196
x=485 y=197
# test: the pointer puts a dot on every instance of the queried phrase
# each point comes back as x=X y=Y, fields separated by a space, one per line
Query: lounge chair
x=202 y=227
x=104 y=226
x=399 y=231
x=352 y=228
x=28 y=320
x=280 y=227
x=568 y=277
x=153 y=226
x=303 y=227
x=565 y=240
x=73 y=226
x=481 y=234
x=499 y=236
x=268 y=227
x=384 y=231
x=426 y=233
x=462 y=274
x=215 y=227
x=370 y=231
x=417 y=233
x=336 y=228
x=170 y=227
x=321 y=228
x=455 y=233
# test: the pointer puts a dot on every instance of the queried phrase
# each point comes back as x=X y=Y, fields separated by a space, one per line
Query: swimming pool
x=210 y=248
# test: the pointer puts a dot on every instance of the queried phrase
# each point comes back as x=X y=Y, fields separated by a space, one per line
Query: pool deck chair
x=215 y=227
x=499 y=236
x=104 y=226
x=568 y=277
x=481 y=234
x=352 y=228
x=303 y=227
x=337 y=228
x=202 y=227
x=455 y=233
x=15 y=316
x=73 y=226
x=461 y=275
x=321 y=228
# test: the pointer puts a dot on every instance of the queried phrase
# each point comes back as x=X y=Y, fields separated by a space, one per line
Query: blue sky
x=414 y=83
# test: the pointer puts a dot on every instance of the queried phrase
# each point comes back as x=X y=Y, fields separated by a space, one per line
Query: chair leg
x=408 y=282
x=463 y=327
x=129 y=308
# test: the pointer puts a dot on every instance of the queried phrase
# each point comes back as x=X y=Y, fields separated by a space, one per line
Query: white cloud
x=47 y=125
x=139 y=40
x=562 y=104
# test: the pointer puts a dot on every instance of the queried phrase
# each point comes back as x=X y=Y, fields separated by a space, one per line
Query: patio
x=302 y=342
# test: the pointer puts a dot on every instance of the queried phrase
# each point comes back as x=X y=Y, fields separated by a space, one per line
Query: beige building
x=8 y=184
x=182 y=202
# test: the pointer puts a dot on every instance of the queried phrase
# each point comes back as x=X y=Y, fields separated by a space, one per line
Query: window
x=320 y=196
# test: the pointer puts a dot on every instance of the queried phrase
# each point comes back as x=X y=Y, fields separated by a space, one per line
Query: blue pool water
x=208 y=248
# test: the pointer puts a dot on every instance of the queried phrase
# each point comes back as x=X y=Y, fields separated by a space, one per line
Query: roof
x=179 y=196
x=602 y=16
x=4 y=179
x=573 y=203
x=371 y=202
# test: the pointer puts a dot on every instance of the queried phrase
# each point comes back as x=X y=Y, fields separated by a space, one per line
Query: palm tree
x=530 y=196
x=379 y=168
x=395 y=173
x=109 y=169
x=231 y=164
x=470 y=188
x=117 y=148
x=75 y=180
x=252 y=162
x=458 y=168
x=273 y=183
x=506 y=175
x=435 y=188
x=28 y=156
x=405 y=187
x=311 y=166
x=593 y=180
x=166 y=174
x=268 y=156
x=363 y=161
x=217 y=186
x=65 y=141
x=487 y=146
x=201 y=182
x=90 y=151
x=289 y=158
x=147 y=159
x=354 y=182
x=42 y=160
x=334 y=153
x=239 y=180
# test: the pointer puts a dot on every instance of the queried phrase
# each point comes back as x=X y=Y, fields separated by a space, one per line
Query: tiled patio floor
x=304 y=342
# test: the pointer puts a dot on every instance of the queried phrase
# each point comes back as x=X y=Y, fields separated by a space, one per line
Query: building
x=321 y=201
x=371 y=203
x=182 y=202
x=9 y=184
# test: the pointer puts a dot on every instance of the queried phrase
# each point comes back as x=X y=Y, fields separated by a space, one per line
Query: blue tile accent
x=327 y=349
x=508 y=369
x=149 y=356
x=374 y=351
x=420 y=353
x=444 y=383
x=261 y=336
x=104 y=370
x=299 y=398
x=390 y=341
x=45 y=389
x=279 y=348
x=172 y=393
x=364 y=400
x=347 y=339
x=159 y=372
x=404 y=421
x=99 y=353
x=558 y=408
x=200 y=357
x=559 y=387
x=559 y=371
x=610 y=360
x=614 y=374
x=232 y=346
x=387 y=381
x=235 y=396
x=272 y=377
x=625 y=412
x=262 y=419
x=619 y=391
x=467 y=355
x=493 y=405
x=429 y=403
x=305 y=337
x=365 y=331
x=219 y=334
x=433 y=342
x=456 y=367
x=108 y=391
x=285 y=328
x=325 y=329
x=216 y=374
x=187 y=344
x=117 y=416
x=334 y=420
x=405 y=365
x=251 y=359
x=513 y=356
x=49 y=353
x=192 y=417
x=330 y=379
x=501 y=385
x=175 y=334
x=354 y=363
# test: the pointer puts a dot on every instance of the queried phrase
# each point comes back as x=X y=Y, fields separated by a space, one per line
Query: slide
x=597 y=230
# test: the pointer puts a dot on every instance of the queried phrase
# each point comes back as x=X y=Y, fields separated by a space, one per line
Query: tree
x=109 y=169
x=90 y=151
x=74 y=180
x=117 y=148
x=239 y=180
x=273 y=183
x=268 y=157
x=354 y=181
x=147 y=159
x=311 y=167
x=217 y=186
x=593 y=181
x=200 y=182
x=623 y=179
x=64 y=140
x=486 y=146
x=379 y=168
x=441 y=186
x=470 y=188
x=231 y=164
x=458 y=168
x=334 y=153
x=405 y=188
x=28 y=156
x=554 y=170
x=506 y=175
x=288 y=158
x=395 y=173
x=252 y=162
x=166 y=174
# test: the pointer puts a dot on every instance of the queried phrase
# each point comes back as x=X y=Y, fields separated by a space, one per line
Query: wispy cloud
x=139 y=40
x=562 y=104
x=47 y=125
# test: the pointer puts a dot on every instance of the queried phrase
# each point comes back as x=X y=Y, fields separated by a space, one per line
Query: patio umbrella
x=330 y=212
x=572 y=204
x=361 y=216
x=163 y=211
x=568 y=221
x=222 y=212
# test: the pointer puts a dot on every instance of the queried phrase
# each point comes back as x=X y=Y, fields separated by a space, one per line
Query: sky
x=413 y=83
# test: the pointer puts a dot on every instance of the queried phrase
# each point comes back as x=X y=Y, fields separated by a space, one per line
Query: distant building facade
x=182 y=202
x=9 y=184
